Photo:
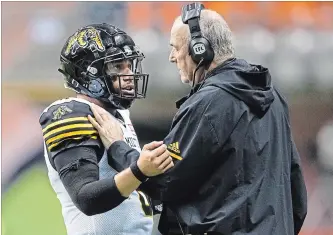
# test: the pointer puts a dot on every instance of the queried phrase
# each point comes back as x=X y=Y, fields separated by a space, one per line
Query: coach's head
x=199 y=46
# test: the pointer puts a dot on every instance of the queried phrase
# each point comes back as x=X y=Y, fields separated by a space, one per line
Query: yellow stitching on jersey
x=64 y=121
x=68 y=134
x=73 y=126
x=76 y=138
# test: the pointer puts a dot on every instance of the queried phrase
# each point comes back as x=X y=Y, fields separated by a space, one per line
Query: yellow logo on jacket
x=174 y=150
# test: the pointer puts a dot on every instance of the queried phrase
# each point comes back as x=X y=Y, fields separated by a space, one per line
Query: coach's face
x=179 y=52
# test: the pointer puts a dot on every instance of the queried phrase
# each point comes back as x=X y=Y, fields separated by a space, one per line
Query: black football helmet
x=85 y=62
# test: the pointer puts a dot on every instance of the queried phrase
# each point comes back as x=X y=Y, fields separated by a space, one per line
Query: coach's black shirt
x=237 y=170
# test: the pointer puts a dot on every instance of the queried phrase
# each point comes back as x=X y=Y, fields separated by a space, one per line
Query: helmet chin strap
x=118 y=102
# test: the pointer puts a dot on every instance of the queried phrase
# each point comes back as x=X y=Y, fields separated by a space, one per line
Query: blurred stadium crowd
x=293 y=39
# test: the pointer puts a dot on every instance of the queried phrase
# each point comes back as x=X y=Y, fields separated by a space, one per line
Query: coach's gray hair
x=218 y=33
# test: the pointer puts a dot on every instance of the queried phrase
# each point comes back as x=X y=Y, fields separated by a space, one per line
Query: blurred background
x=293 y=39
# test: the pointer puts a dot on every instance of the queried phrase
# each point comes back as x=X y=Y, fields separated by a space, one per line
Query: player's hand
x=108 y=127
x=154 y=159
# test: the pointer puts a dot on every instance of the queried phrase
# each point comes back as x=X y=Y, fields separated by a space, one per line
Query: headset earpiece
x=200 y=48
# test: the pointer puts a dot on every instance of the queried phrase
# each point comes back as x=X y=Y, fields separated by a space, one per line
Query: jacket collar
x=211 y=73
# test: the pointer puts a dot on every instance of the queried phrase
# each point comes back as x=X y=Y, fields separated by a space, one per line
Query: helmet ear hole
x=97 y=87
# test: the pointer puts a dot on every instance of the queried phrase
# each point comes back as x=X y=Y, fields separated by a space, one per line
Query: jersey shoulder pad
x=65 y=124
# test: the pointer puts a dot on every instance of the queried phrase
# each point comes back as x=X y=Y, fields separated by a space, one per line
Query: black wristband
x=138 y=173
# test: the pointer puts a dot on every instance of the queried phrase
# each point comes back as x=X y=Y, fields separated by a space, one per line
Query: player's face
x=126 y=82
x=179 y=53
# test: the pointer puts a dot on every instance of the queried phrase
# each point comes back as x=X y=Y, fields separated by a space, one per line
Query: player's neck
x=92 y=100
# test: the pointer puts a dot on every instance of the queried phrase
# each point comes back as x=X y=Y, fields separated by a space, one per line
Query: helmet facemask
x=123 y=75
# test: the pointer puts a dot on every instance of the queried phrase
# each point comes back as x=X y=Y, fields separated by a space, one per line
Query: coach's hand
x=108 y=127
x=154 y=159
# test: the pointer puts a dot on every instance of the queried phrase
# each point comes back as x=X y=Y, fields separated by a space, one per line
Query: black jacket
x=237 y=170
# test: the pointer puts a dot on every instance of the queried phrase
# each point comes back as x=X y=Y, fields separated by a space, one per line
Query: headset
x=200 y=48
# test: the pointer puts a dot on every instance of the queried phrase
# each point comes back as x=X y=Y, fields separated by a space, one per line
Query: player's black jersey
x=66 y=125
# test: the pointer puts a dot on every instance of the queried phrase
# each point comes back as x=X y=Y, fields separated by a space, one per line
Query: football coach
x=237 y=170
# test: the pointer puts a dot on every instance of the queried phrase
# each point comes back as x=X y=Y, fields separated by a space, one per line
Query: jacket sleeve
x=298 y=190
x=121 y=155
x=198 y=134
x=192 y=143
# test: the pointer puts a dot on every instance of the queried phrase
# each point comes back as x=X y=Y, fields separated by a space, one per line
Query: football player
x=102 y=64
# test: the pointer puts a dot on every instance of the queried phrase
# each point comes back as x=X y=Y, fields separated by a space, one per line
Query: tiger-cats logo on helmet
x=82 y=39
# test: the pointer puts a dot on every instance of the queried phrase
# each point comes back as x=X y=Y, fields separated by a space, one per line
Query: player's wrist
x=138 y=173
